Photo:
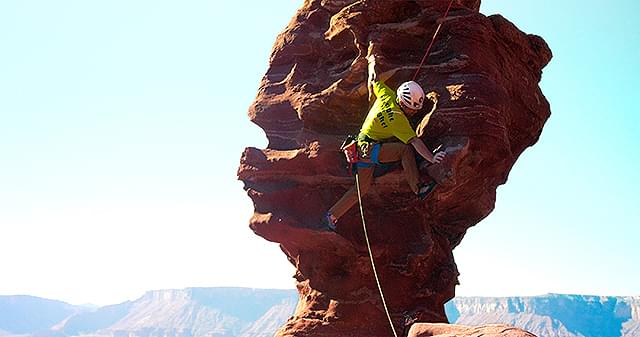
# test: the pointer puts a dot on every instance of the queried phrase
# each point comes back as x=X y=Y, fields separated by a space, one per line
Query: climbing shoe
x=329 y=222
x=425 y=189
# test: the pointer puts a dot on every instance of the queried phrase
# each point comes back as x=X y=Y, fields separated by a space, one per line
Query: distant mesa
x=241 y=312
x=27 y=314
x=192 y=312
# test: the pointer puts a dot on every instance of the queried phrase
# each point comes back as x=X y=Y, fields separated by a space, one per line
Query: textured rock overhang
x=491 y=109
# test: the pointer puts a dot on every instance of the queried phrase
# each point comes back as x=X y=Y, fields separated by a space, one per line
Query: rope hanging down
x=364 y=225
x=373 y=265
x=424 y=58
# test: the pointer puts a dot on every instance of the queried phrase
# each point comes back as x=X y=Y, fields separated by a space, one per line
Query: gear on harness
x=350 y=149
x=360 y=151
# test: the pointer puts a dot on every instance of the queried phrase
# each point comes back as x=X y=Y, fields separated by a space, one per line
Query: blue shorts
x=373 y=159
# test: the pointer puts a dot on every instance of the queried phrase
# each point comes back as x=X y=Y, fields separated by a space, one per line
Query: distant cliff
x=192 y=312
x=28 y=314
x=241 y=312
x=553 y=315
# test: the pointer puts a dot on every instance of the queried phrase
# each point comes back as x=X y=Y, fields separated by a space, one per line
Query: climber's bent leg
x=391 y=152
x=350 y=198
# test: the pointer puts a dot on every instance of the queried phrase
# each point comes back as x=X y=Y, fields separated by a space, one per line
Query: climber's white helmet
x=411 y=95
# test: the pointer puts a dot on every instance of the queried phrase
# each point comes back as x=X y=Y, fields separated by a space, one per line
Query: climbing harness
x=350 y=149
x=360 y=151
x=424 y=58
x=373 y=265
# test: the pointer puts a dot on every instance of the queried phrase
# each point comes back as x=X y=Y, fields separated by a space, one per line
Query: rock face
x=450 y=330
x=314 y=93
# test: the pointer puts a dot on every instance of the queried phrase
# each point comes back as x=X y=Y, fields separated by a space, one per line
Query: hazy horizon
x=295 y=291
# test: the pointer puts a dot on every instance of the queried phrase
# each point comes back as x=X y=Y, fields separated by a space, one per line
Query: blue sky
x=122 y=124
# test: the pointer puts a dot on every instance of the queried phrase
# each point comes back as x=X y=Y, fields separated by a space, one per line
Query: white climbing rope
x=373 y=265
x=364 y=225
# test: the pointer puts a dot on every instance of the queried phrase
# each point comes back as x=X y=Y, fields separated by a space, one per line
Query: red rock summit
x=314 y=93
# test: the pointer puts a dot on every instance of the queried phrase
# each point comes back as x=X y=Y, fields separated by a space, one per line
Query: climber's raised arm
x=373 y=74
x=373 y=71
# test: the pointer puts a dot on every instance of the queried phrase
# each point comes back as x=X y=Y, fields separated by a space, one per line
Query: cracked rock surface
x=314 y=93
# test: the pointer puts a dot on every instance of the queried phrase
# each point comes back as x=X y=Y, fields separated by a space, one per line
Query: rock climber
x=386 y=136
